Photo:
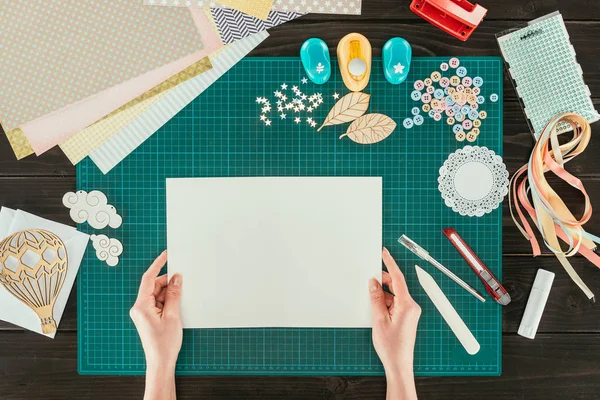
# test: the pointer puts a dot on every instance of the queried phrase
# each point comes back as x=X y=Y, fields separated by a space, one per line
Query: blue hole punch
x=397 y=55
x=316 y=60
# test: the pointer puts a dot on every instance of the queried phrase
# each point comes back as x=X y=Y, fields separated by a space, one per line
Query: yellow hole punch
x=354 y=56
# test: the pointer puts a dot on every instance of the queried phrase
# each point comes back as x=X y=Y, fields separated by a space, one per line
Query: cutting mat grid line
x=219 y=135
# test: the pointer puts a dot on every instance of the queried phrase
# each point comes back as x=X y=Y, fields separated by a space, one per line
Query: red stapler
x=457 y=17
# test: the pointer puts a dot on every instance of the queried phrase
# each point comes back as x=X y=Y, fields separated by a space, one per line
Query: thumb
x=380 y=310
x=173 y=297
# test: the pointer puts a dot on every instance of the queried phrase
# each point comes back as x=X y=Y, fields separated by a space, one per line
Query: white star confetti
x=309 y=120
x=398 y=68
x=263 y=117
x=336 y=96
x=313 y=124
x=297 y=120
x=283 y=116
x=277 y=93
x=304 y=81
x=268 y=122
x=284 y=86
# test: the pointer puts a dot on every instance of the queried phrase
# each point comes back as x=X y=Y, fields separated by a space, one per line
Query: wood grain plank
x=568 y=310
x=39 y=368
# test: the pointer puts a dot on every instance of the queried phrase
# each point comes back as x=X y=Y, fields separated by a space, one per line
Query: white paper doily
x=473 y=181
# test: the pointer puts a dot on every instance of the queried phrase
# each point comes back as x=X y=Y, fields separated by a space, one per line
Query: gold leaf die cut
x=347 y=109
x=370 y=128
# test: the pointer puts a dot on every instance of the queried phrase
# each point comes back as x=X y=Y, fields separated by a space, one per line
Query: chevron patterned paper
x=234 y=25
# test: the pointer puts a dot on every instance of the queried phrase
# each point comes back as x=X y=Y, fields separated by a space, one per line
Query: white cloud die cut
x=107 y=249
x=92 y=207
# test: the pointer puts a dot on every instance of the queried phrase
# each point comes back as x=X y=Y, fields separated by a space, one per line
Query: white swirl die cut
x=107 y=249
x=92 y=207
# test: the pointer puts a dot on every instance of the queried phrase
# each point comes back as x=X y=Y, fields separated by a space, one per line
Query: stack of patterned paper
x=98 y=77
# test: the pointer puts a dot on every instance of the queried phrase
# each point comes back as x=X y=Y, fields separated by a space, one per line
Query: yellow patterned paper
x=256 y=8
x=84 y=142
x=19 y=143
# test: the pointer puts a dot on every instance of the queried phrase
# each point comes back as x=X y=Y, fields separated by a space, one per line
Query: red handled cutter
x=492 y=285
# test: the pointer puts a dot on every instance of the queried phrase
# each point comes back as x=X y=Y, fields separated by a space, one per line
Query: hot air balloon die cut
x=92 y=207
x=34 y=267
x=107 y=249
x=40 y=259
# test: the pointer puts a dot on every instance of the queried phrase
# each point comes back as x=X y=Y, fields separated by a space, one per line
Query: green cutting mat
x=220 y=134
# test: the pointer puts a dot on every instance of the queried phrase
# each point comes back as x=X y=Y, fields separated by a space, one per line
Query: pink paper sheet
x=55 y=128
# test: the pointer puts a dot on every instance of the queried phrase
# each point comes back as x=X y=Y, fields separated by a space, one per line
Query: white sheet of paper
x=12 y=309
x=275 y=252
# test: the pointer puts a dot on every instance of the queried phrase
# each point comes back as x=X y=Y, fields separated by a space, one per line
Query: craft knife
x=492 y=285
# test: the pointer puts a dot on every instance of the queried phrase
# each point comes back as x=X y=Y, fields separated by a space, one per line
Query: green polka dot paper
x=543 y=65
x=56 y=52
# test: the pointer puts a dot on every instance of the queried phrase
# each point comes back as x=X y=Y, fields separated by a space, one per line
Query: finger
x=389 y=300
x=173 y=297
x=159 y=284
x=398 y=282
x=147 y=284
x=380 y=310
x=162 y=295
x=386 y=279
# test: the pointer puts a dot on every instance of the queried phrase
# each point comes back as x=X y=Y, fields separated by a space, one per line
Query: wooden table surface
x=563 y=362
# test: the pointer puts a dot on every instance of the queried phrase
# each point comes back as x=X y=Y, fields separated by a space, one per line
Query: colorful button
x=418 y=119
x=436 y=76
x=437 y=116
x=427 y=82
x=460 y=136
x=480 y=99
x=431 y=113
x=419 y=85
x=451 y=90
x=435 y=104
x=430 y=89
x=465 y=109
x=408 y=123
x=467 y=81
x=459 y=117
x=474 y=106
x=477 y=81
x=438 y=94
x=468 y=90
x=450 y=112
x=455 y=80
x=415 y=111
x=471 y=137
x=475 y=131
x=467 y=124
x=476 y=123
x=457 y=128
x=461 y=71
x=473 y=114
x=447 y=90
x=460 y=88
x=415 y=95
x=426 y=98
x=472 y=99
x=456 y=108
x=444 y=82
x=493 y=97
x=444 y=66
x=426 y=108
x=454 y=62
x=450 y=121
x=482 y=114
x=476 y=91
x=449 y=100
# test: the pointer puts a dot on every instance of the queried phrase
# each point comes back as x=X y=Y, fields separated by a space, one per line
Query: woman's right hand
x=395 y=320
